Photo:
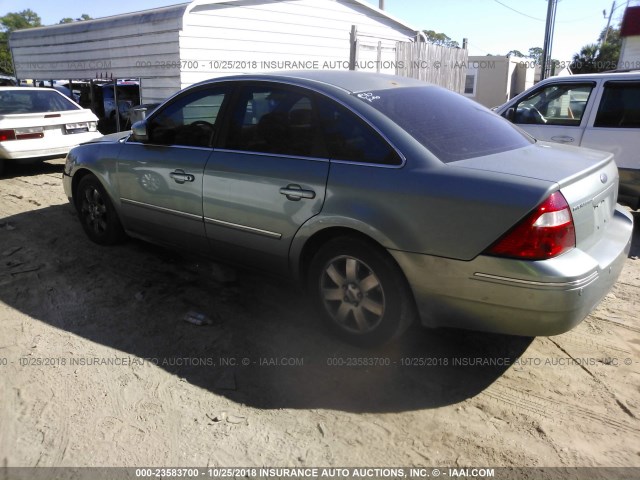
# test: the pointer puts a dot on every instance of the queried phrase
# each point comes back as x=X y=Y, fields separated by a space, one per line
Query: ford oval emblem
x=603 y=177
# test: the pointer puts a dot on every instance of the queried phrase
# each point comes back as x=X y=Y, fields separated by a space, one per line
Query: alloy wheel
x=352 y=294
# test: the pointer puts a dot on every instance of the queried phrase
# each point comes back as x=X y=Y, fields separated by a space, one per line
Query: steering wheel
x=537 y=116
x=203 y=123
x=530 y=114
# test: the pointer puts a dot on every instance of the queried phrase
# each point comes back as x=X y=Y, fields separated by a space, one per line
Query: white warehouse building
x=173 y=47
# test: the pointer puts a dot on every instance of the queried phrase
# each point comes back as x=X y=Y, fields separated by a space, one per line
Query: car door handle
x=295 y=192
x=562 y=139
x=179 y=176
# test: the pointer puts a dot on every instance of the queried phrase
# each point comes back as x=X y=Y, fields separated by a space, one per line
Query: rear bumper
x=517 y=297
x=28 y=151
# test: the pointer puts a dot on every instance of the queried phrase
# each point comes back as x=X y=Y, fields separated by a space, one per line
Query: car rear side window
x=349 y=138
x=190 y=120
x=449 y=125
x=274 y=119
x=620 y=106
x=36 y=100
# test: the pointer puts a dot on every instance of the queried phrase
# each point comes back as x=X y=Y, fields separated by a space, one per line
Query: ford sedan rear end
x=388 y=198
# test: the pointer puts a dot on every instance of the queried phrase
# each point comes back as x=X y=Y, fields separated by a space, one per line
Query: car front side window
x=189 y=120
x=558 y=104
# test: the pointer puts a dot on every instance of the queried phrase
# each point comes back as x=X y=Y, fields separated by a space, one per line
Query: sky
x=491 y=26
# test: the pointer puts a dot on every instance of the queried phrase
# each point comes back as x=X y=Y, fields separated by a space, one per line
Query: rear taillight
x=7 y=135
x=546 y=232
x=28 y=133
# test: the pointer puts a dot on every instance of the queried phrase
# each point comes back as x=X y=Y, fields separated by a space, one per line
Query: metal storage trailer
x=172 y=47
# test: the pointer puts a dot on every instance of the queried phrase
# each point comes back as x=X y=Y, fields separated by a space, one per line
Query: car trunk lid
x=51 y=124
x=588 y=179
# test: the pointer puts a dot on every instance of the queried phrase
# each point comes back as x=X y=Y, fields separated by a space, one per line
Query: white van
x=600 y=110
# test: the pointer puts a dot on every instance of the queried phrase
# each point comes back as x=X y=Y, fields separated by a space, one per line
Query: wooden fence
x=442 y=66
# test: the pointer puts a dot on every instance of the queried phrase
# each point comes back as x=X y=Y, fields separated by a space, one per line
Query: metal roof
x=176 y=12
x=145 y=16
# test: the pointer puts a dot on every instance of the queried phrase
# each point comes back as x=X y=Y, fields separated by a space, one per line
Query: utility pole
x=381 y=4
x=548 y=39
x=606 y=30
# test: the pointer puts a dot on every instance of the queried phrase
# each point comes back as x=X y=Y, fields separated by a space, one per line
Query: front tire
x=362 y=293
x=97 y=214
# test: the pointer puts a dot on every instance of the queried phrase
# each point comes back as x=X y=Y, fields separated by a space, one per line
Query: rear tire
x=97 y=214
x=1 y=166
x=361 y=292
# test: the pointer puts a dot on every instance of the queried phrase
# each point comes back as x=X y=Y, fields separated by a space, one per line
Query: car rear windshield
x=37 y=100
x=451 y=126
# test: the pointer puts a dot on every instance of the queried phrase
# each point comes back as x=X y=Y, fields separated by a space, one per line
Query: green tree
x=6 y=65
x=599 y=57
x=516 y=53
x=8 y=23
x=82 y=18
x=16 y=21
x=536 y=54
x=440 y=39
x=585 y=60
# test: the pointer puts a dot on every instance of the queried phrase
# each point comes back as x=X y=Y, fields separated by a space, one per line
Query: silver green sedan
x=388 y=198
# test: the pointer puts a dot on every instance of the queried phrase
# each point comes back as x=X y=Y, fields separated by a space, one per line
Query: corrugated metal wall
x=123 y=46
x=222 y=39
x=173 y=47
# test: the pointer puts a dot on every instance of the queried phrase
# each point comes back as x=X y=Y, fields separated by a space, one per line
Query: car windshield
x=36 y=100
x=451 y=126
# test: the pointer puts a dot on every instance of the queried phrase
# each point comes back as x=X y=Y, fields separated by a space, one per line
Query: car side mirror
x=139 y=130
x=510 y=114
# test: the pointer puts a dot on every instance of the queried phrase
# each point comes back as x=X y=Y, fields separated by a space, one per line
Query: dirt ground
x=99 y=368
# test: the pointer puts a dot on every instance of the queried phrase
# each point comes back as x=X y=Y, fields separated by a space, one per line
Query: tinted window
x=620 y=106
x=190 y=120
x=558 y=104
x=277 y=120
x=451 y=126
x=349 y=138
x=38 y=100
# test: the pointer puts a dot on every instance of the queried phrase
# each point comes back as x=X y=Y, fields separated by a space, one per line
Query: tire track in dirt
x=554 y=409
x=593 y=343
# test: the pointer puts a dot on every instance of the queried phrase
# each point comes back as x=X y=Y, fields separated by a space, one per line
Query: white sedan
x=38 y=123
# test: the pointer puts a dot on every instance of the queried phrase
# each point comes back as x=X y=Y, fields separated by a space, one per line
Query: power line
x=519 y=12
x=475 y=45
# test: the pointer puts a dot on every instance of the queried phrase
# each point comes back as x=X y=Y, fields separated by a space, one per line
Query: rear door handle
x=179 y=176
x=295 y=192
x=562 y=139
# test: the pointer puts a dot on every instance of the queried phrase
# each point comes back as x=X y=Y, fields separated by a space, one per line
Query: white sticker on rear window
x=370 y=97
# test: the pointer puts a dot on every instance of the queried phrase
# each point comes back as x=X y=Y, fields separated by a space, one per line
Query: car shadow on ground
x=14 y=170
x=265 y=346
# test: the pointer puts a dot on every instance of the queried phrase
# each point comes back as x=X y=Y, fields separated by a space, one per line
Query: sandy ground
x=99 y=368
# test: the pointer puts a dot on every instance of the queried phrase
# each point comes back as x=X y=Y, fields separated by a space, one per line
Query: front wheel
x=361 y=291
x=97 y=214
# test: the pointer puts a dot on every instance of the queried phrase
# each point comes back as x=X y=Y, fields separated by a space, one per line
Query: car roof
x=633 y=75
x=29 y=89
x=347 y=80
